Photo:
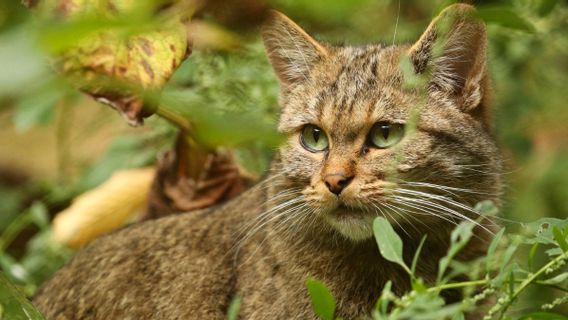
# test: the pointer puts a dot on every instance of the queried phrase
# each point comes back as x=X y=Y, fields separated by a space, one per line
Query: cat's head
x=362 y=142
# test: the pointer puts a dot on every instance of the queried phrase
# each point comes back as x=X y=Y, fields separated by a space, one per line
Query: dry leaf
x=145 y=60
x=207 y=35
x=191 y=177
x=237 y=14
x=103 y=209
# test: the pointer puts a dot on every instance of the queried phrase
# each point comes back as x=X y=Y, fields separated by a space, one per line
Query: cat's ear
x=453 y=49
x=291 y=51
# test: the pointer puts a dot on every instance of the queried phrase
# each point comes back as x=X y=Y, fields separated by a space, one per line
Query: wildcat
x=355 y=149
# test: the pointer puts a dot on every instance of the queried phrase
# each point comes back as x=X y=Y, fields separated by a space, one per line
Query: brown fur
x=264 y=244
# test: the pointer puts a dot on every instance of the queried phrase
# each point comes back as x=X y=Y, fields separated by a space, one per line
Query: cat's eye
x=384 y=134
x=313 y=138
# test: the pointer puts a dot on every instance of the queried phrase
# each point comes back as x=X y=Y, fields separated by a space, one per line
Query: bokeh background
x=56 y=143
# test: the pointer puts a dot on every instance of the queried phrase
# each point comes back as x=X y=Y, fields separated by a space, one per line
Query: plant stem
x=464 y=284
x=13 y=229
x=456 y=285
x=175 y=118
x=532 y=279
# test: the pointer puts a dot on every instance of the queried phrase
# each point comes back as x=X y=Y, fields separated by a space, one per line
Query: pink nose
x=337 y=182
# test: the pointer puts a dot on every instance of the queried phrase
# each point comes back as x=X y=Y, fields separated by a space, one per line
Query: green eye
x=314 y=139
x=384 y=134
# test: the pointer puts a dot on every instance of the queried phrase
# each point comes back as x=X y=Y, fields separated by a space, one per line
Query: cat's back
x=170 y=268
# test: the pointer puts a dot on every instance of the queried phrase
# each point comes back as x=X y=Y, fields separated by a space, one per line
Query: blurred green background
x=56 y=143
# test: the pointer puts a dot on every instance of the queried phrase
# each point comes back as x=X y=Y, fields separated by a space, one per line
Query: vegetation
x=57 y=143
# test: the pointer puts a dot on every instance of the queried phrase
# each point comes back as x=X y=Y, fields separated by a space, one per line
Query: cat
x=354 y=149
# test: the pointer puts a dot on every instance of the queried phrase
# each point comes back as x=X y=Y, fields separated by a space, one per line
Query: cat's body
x=187 y=267
x=351 y=155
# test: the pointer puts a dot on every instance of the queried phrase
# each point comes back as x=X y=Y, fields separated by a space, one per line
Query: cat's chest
x=274 y=287
x=281 y=297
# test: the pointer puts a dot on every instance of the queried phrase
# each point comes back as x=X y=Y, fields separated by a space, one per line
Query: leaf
x=13 y=303
x=213 y=127
x=416 y=256
x=557 y=280
x=560 y=238
x=13 y=268
x=542 y=230
x=546 y=7
x=23 y=63
x=323 y=302
x=389 y=242
x=459 y=238
x=233 y=311
x=192 y=177
x=104 y=208
x=504 y=262
x=487 y=208
x=492 y=247
x=39 y=214
x=532 y=252
x=109 y=46
x=543 y=316
x=383 y=301
x=511 y=283
x=36 y=108
x=505 y=17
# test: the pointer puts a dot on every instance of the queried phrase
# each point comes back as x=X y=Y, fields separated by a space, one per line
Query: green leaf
x=416 y=256
x=543 y=316
x=39 y=214
x=546 y=7
x=214 y=127
x=511 y=284
x=459 y=238
x=493 y=246
x=383 y=301
x=418 y=285
x=557 y=280
x=542 y=229
x=505 y=17
x=560 y=238
x=233 y=311
x=486 y=208
x=532 y=252
x=36 y=108
x=13 y=303
x=323 y=302
x=23 y=63
x=390 y=244
x=505 y=267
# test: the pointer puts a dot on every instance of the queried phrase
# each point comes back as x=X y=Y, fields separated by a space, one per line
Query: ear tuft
x=453 y=49
x=291 y=51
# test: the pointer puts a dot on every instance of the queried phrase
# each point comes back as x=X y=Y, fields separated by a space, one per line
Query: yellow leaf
x=109 y=47
x=105 y=208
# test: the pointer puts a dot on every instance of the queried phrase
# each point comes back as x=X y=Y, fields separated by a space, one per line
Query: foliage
x=231 y=98
x=322 y=299
x=14 y=303
x=490 y=294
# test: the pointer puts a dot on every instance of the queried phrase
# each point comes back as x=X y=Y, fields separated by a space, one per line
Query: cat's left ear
x=453 y=49
x=292 y=52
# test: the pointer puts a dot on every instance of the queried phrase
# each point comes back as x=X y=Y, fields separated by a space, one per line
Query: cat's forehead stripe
x=354 y=91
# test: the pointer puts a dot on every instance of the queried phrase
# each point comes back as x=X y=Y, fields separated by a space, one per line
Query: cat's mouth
x=344 y=211
x=352 y=222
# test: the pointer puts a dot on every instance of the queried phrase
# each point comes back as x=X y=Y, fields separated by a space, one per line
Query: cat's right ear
x=454 y=49
x=291 y=51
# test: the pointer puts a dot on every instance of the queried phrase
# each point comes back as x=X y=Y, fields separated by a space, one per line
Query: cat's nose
x=337 y=182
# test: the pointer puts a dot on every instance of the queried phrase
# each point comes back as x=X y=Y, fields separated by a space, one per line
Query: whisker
x=444 y=209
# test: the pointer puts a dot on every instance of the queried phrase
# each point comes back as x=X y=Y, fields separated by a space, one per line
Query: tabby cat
x=360 y=143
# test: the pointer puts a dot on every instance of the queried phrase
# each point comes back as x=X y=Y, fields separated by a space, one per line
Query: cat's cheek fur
x=300 y=164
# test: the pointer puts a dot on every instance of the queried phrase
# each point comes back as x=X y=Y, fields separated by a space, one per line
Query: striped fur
x=263 y=244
